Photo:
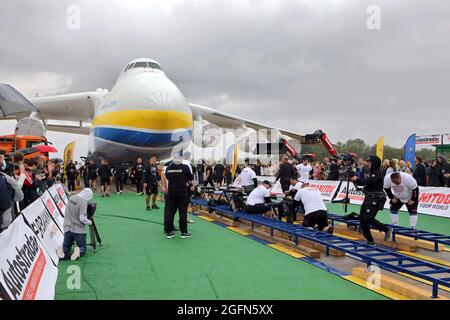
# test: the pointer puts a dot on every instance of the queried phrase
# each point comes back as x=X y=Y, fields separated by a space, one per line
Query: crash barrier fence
x=28 y=259
x=433 y=201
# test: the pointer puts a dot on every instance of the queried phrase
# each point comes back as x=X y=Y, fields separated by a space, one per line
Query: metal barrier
x=436 y=238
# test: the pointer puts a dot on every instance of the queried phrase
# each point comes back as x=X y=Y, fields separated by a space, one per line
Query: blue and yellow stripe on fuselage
x=143 y=128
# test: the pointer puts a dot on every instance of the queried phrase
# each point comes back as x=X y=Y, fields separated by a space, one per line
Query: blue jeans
x=69 y=239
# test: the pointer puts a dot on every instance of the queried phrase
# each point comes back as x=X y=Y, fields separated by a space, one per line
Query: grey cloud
x=300 y=65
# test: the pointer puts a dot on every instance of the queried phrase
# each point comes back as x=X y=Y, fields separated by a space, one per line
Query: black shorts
x=151 y=189
x=259 y=208
x=219 y=180
x=319 y=218
x=105 y=181
x=411 y=209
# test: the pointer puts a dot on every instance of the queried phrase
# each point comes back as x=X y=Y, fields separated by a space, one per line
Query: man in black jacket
x=374 y=200
x=420 y=172
x=151 y=181
x=285 y=173
x=334 y=170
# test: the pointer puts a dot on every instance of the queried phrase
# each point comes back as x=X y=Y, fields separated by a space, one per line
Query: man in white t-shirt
x=259 y=199
x=402 y=189
x=248 y=179
x=315 y=209
x=304 y=170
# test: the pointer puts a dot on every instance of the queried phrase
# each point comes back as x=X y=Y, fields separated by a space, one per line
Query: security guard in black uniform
x=374 y=200
x=175 y=186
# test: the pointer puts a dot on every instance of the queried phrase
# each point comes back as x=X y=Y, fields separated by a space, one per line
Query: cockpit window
x=154 y=65
x=128 y=67
x=140 y=65
x=143 y=64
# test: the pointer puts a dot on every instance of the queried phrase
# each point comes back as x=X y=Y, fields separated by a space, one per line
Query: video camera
x=349 y=159
x=91 y=210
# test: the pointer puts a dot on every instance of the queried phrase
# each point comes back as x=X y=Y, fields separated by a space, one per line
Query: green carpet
x=137 y=262
x=425 y=222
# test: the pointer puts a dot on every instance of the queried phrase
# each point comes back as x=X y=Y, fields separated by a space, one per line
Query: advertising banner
x=62 y=192
x=446 y=139
x=44 y=227
x=428 y=140
x=433 y=201
x=51 y=206
x=26 y=269
x=57 y=199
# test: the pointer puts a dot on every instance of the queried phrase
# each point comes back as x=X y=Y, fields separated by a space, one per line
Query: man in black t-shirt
x=219 y=171
x=151 y=181
x=105 y=175
x=137 y=173
x=178 y=177
x=92 y=174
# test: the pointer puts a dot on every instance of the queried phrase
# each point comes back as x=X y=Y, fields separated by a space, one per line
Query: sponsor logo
x=428 y=140
x=15 y=276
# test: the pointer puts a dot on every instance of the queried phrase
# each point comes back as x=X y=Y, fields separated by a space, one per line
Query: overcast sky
x=298 y=65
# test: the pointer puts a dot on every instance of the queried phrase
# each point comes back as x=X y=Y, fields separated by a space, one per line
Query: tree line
x=364 y=150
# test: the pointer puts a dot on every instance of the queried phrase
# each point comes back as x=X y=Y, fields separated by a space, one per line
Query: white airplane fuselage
x=144 y=114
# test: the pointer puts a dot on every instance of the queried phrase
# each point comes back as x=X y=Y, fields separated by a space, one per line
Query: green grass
x=137 y=262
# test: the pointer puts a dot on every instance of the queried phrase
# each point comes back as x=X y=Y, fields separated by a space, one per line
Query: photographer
x=374 y=200
x=5 y=167
x=10 y=191
x=75 y=221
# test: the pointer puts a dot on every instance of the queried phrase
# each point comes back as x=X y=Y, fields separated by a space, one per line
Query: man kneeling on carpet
x=258 y=201
x=75 y=221
x=315 y=209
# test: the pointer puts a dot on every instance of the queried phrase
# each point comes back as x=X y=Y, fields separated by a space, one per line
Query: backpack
x=7 y=194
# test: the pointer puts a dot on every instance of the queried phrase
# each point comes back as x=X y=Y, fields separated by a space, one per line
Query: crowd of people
x=22 y=181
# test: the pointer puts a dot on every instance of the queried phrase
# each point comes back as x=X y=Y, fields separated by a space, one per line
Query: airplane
x=143 y=114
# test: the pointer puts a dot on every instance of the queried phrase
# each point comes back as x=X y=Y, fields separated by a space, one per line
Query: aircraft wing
x=77 y=107
x=224 y=120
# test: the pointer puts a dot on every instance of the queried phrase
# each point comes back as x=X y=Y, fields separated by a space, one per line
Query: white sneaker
x=76 y=254
x=59 y=252
x=190 y=221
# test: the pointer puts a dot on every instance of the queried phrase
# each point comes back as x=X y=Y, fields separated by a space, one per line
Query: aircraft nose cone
x=160 y=98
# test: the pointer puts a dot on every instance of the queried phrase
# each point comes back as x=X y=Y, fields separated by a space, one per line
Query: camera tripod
x=346 y=199
x=94 y=235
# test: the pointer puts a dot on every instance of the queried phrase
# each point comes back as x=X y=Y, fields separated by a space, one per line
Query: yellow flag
x=380 y=147
x=68 y=153
x=234 y=159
